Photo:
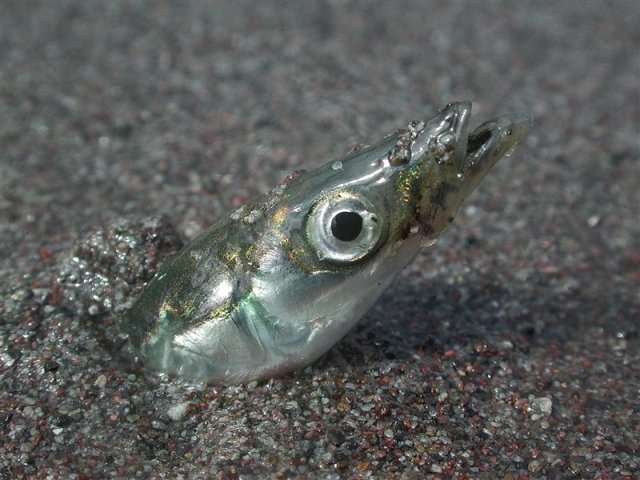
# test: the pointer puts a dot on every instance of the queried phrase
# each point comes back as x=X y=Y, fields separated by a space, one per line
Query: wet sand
x=510 y=349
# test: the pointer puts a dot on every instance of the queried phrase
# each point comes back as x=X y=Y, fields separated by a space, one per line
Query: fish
x=275 y=284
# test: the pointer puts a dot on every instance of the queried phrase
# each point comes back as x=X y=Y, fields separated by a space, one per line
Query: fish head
x=339 y=235
x=409 y=186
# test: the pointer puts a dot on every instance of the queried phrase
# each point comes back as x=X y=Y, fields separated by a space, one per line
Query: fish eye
x=344 y=227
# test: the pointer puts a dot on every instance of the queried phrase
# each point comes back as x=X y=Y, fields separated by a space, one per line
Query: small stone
x=21 y=294
x=177 y=412
x=379 y=454
x=158 y=425
x=7 y=359
x=51 y=366
x=593 y=221
x=542 y=405
x=101 y=381
x=534 y=466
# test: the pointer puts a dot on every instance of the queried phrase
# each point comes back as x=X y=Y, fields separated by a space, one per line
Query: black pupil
x=346 y=226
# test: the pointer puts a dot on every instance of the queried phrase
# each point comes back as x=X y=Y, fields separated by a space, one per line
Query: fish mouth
x=477 y=152
x=494 y=139
x=457 y=160
x=484 y=146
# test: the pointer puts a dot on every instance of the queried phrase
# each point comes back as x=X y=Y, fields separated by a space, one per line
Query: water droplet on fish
x=337 y=165
x=447 y=139
x=252 y=217
x=399 y=155
x=416 y=126
x=236 y=215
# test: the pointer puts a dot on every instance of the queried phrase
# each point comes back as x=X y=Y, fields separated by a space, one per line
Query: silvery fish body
x=274 y=285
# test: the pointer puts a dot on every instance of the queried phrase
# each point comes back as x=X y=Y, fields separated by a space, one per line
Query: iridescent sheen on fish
x=274 y=285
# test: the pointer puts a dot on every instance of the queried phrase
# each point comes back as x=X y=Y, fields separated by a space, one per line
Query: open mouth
x=492 y=139
x=479 y=142
x=457 y=158
x=469 y=155
x=478 y=139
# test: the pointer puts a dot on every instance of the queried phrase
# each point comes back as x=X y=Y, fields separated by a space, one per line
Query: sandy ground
x=509 y=350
